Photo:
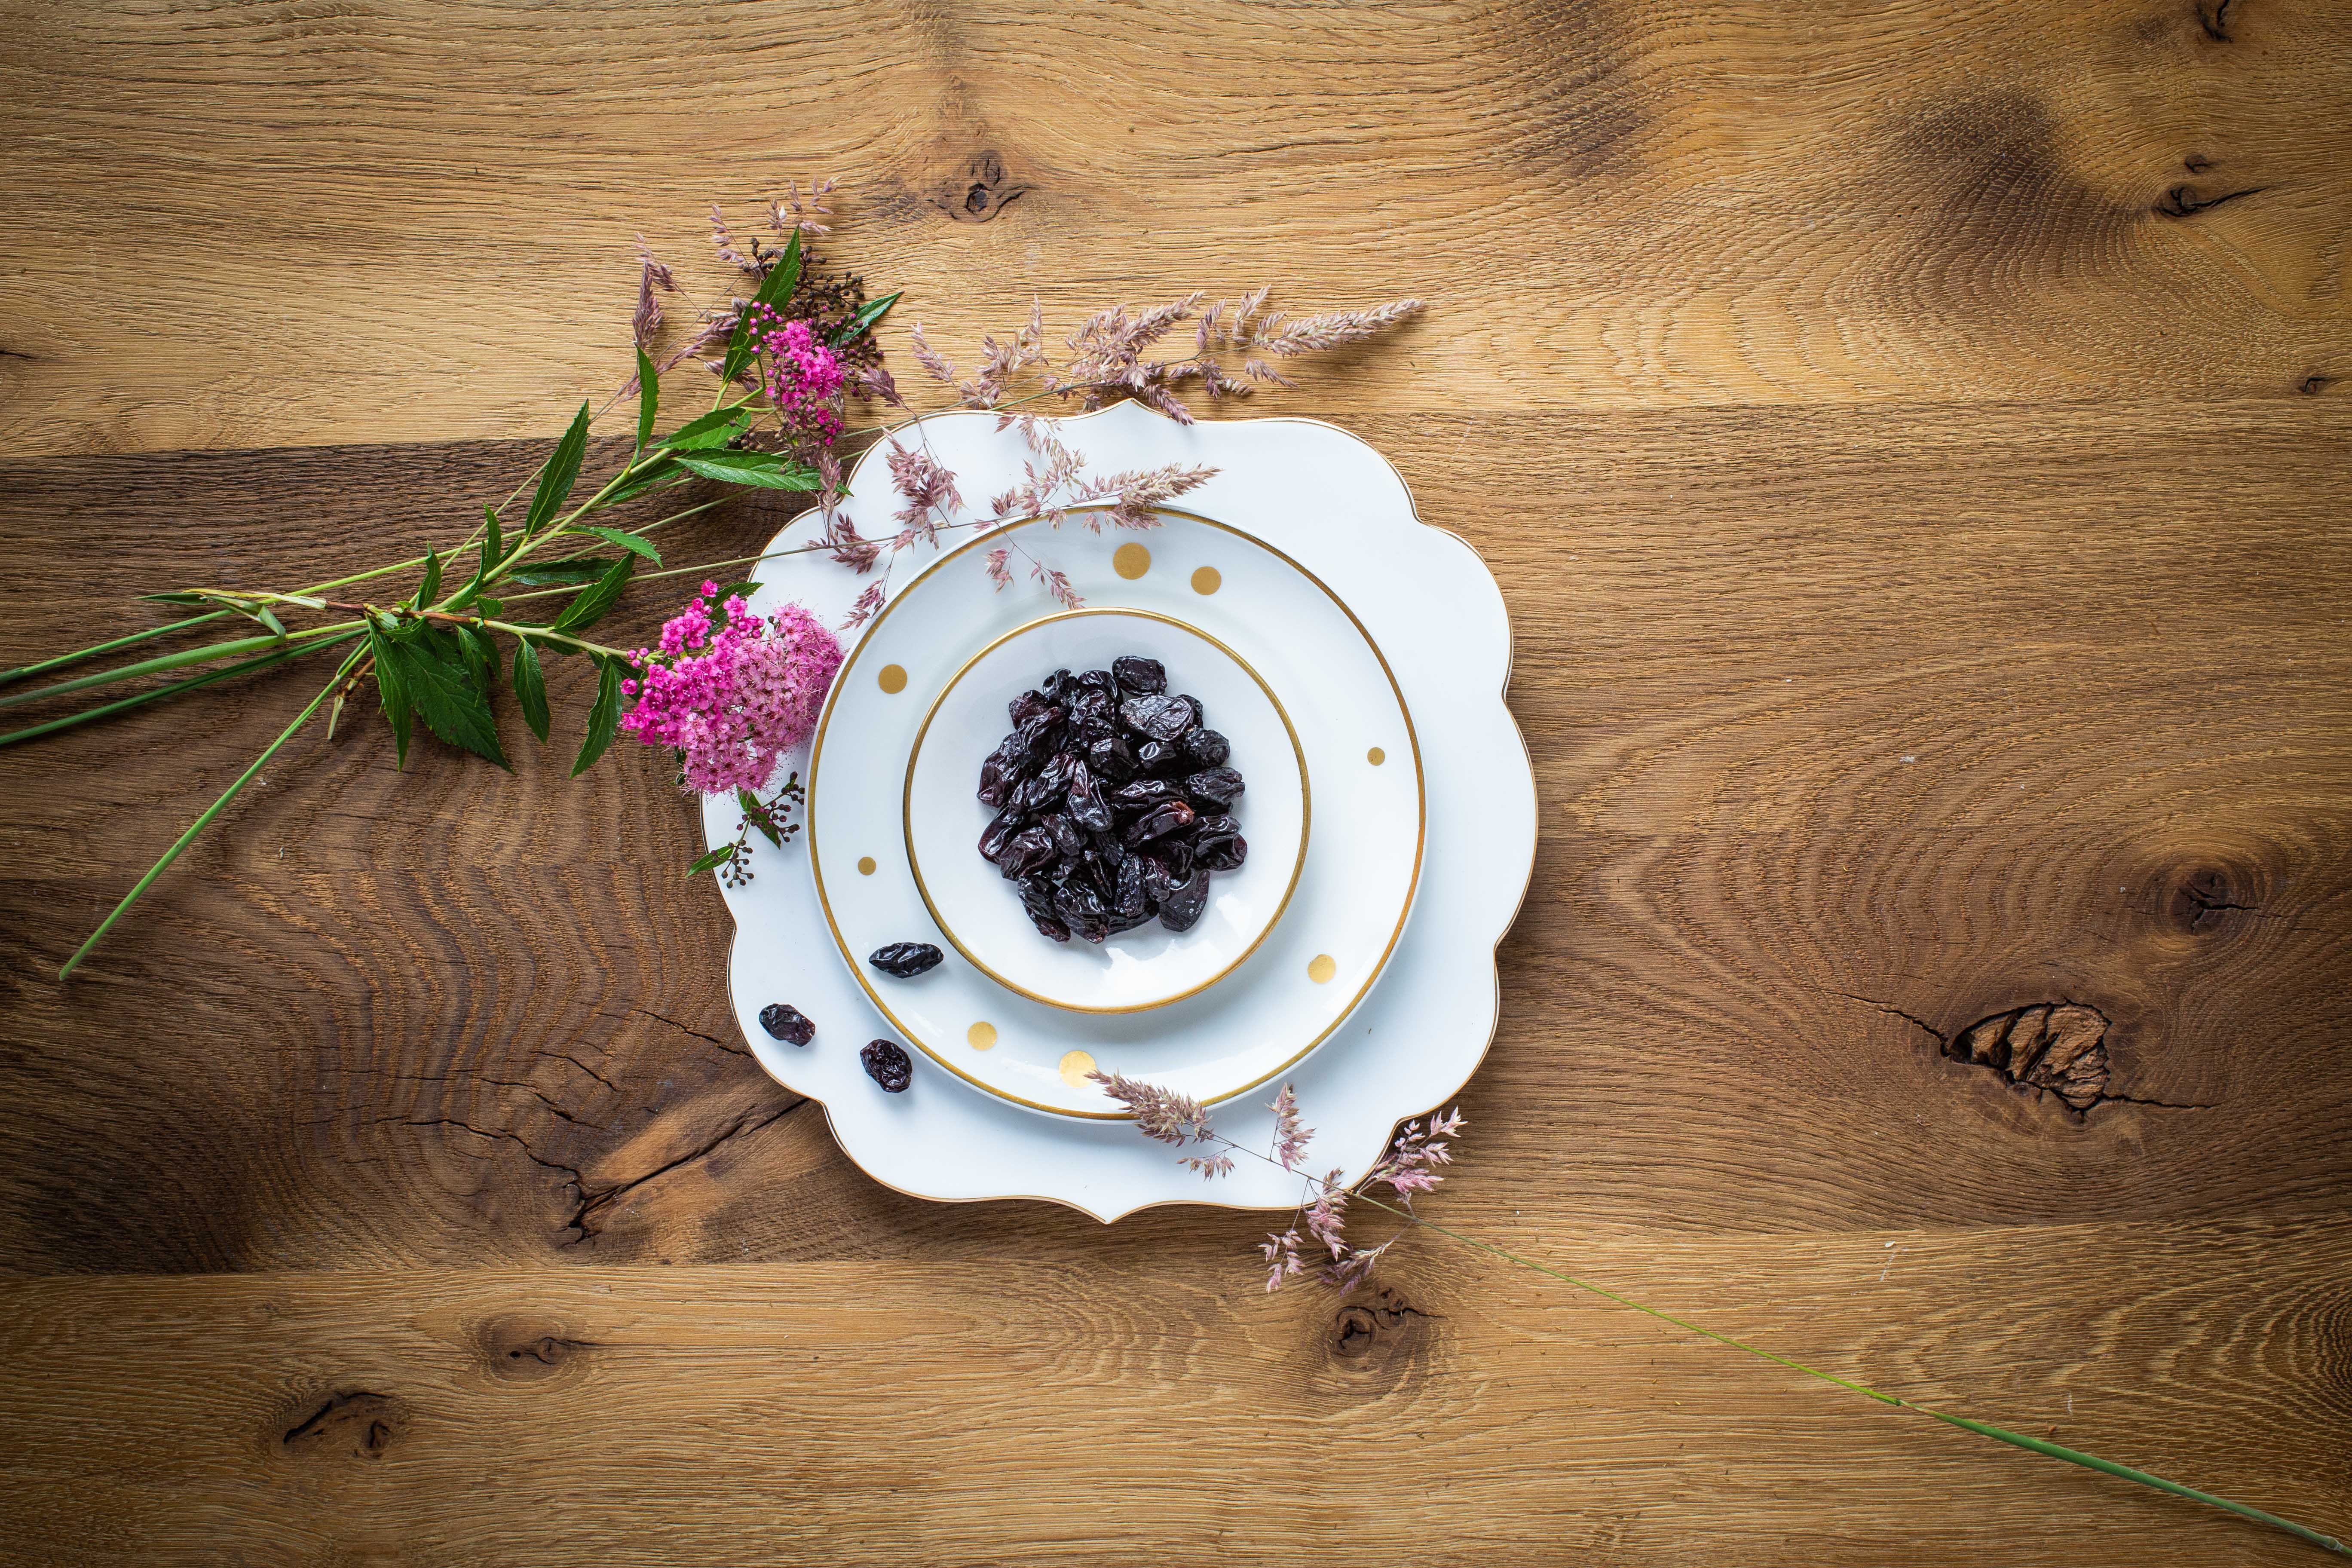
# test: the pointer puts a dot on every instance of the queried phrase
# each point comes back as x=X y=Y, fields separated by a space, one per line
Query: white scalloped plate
x=1336 y=506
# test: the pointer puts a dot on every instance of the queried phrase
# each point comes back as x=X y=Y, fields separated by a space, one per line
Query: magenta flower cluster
x=803 y=378
x=733 y=698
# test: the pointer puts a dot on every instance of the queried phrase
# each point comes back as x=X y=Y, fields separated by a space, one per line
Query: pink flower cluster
x=732 y=700
x=803 y=378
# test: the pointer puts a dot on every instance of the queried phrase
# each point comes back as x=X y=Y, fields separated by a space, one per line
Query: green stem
x=160 y=692
x=1981 y=1428
x=206 y=654
x=61 y=660
x=541 y=634
x=211 y=811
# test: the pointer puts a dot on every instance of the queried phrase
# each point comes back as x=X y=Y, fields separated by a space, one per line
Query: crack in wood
x=2050 y=1047
x=2182 y=202
x=365 y=1419
x=2213 y=16
x=684 y=1029
x=586 y=1221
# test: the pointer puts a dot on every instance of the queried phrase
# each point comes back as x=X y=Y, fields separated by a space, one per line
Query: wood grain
x=1070 y=1412
x=1922 y=502
x=249 y=225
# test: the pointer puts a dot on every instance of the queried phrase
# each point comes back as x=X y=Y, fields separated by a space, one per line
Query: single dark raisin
x=1081 y=909
x=1095 y=680
x=1142 y=794
x=887 y=1063
x=1057 y=685
x=1178 y=855
x=1030 y=849
x=1131 y=902
x=1200 y=714
x=1037 y=899
x=1213 y=787
x=1181 y=909
x=1087 y=807
x=905 y=959
x=1112 y=758
x=1158 y=717
x=999 y=832
x=1027 y=705
x=1163 y=759
x=1217 y=843
x=789 y=1025
x=1001 y=773
x=1035 y=794
x=1207 y=747
x=1067 y=839
x=1140 y=677
x=1159 y=821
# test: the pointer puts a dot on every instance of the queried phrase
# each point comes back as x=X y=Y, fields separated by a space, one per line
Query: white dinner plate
x=1354 y=891
x=980 y=912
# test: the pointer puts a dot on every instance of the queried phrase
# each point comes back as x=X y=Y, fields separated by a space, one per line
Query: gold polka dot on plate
x=893 y=679
x=865 y=864
x=1321 y=967
x=1375 y=756
x=1075 y=1068
x=1130 y=561
x=981 y=1036
x=1207 y=579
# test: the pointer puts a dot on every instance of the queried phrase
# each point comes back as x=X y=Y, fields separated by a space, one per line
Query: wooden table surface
x=1912 y=439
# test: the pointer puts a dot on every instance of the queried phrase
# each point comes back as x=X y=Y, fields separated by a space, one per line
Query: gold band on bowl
x=841 y=681
x=914 y=755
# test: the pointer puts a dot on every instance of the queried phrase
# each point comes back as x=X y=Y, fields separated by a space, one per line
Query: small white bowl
x=980 y=912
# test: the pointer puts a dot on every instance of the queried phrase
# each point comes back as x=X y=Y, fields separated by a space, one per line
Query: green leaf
x=561 y=472
x=490 y=606
x=391 y=691
x=605 y=717
x=261 y=612
x=636 y=544
x=872 y=311
x=560 y=574
x=767 y=470
x=653 y=476
x=648 y=398
x=774 y=290
x=432 y=584
x=494 y=548
x=719 y=856
x=588 y=608
x=177 y=598
x=482 y=658
x=450 y=705
x=715 y=429
x=757 y=815
x=530 y=688
x=718 y=616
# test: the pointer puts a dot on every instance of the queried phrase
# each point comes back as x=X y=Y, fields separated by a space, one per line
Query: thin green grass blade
x=26 y=672
x=204 y=821
x=91 y=714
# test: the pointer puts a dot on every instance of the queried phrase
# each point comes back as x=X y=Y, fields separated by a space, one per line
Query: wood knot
x=2057 y=1048
x=1385 y=1323
x=2315 y=383
x=358 y=1424
x=526 y=1350
x=2202 y=899
x=980 y=192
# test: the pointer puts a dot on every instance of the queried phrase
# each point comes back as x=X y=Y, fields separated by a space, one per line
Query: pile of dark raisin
x=1113 y=802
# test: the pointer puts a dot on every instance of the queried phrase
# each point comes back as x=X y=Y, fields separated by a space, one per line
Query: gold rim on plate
x=906 y=808
x=824 y=901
